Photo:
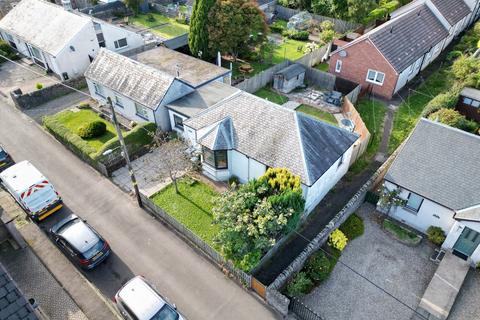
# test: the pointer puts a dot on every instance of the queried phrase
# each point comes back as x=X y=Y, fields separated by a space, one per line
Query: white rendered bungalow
x=244 y=135
x=437 y=173
x=60 y=41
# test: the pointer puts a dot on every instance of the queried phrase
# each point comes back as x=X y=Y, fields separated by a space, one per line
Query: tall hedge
x=198 y=34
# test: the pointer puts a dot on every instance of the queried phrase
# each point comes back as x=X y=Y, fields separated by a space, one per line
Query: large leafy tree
x=358 y=10
x=198 y=34
x=253 y=217
x=235 y=26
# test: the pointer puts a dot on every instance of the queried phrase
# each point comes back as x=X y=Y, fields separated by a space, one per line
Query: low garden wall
x=36 y=98
x=340 y=26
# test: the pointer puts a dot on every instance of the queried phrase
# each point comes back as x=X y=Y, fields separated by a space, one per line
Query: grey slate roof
x=13 y=304
x=407 y=37
x=292 y=71
x=193 y=71
x=440 y=163
x=202 y=98
x=221 y=137
x=471 y=93
x=275 y=136
x=135 y=80
x=45 y=25
x=452 y=10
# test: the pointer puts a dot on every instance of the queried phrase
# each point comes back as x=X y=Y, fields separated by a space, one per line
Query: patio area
x=403 y=271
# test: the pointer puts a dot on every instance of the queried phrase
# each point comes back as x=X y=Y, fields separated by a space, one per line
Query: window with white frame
x=141 y=111
x=36 y=53
x=414 y=202
x=178 y=122
x=99 y=90
x=338 y=66
x=376 y=77
x=118 y=101
x=120 y=43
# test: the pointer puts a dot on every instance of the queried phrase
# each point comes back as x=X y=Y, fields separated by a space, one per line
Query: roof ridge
x=302 y=151
x=214 y=106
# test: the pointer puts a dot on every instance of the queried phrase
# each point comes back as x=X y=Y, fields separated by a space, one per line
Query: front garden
x=161 y=25
x=89 y=135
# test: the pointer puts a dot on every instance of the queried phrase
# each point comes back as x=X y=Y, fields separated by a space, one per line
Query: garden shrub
x=296 y=35
x=443 y=100
x=299 y=285
x=452 y=55
x=92 y=129
x=454 y=119
x=277 y=27
x=352 y=227
x=7 y=51
x=337 y=240
x=150 y=18
x=84 y=105
x=318 y=267
x=39 y=86
x=233 y=180
x=436 y=235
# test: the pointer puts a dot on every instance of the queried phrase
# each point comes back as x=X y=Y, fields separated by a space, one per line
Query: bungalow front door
x=466 y=243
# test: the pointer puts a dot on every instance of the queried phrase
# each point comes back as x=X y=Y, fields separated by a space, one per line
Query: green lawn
x=401 y=233
x=163 y=26
x=411 y=109
x=192 y=207
x=270 y=95
x=372 y=113
x=317 y=113
x=323 y=66
x=74 y=120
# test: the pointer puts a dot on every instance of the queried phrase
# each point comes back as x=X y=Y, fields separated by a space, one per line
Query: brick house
x=384 y=59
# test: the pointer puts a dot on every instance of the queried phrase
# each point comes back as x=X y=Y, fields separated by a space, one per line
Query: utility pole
x=125 y=153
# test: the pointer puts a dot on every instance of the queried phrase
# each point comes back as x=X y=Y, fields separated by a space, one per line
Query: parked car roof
x=22 y=176
x=141 y=299
x=78 y=233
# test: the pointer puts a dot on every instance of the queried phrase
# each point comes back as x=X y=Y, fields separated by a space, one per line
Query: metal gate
x=259 y=288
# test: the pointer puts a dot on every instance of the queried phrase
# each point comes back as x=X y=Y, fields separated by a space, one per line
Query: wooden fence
x=340 y=26
x=321 y=79
x=351 y=113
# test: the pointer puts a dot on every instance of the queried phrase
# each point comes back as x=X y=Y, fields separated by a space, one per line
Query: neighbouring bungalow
x=469 y=104
x=386 y=58
x=437 y=173
x=141 y=90
x=60 y=41
x=244 y=135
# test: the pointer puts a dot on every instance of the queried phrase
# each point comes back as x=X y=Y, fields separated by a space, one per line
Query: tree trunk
x=174 y=179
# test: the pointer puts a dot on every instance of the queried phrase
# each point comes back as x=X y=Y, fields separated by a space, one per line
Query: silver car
x=138 y=300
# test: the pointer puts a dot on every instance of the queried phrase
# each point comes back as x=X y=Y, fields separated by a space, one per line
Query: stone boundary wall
x=33 y=99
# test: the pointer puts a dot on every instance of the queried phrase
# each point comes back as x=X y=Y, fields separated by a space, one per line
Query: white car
x=138 y=300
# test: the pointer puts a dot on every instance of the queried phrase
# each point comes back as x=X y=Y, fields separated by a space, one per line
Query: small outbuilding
x=289 y=78
x=469 y=104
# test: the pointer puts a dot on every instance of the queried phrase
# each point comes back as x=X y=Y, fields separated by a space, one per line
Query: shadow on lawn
x=196 y=205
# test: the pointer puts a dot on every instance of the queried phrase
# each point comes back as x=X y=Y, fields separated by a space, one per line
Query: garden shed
x=289 y=78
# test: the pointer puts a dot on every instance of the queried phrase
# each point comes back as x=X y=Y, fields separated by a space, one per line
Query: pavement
x=140 y=244
x=401 y=270
x=87 y=298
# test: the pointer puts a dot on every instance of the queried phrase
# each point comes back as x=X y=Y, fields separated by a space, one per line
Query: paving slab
x=443 y=289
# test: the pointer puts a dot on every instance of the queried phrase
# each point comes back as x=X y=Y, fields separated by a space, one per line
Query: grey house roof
x=470 y=214
x=191 y=70
x=440 y=163
x=13 y=304
x=220 y=137
x=471 y=93
x=202 y=98
x=45 y=25
x=135 y=80
x=273 y=135
x=452 y=10
x=408 y=37
x=291 y=71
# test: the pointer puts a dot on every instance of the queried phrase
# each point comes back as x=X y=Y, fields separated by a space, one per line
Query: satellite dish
x=343 y=54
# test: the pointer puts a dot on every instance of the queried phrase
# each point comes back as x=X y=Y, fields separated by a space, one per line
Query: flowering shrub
x=337 y=240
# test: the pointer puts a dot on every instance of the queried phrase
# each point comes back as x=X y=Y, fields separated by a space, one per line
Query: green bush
x=8 y=51
x=84 y=105
x=435 y=235
x=299 y=285
x=452 y=55
x=233 y=180
x=337 y=240
x=296 y=35
x=277 y=27
x=318 y=267
x=352 y=227
x=454 y=119
x=39 y=86
x=443 y=100
x=150 y=18
x=92 y=129
x=67 y=137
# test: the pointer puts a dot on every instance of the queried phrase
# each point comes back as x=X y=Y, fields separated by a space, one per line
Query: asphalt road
x=141 y=245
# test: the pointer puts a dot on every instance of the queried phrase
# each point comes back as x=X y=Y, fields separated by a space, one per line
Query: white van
x=32 y=190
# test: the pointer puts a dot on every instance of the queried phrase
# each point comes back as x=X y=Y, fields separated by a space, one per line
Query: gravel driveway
x=403 y=271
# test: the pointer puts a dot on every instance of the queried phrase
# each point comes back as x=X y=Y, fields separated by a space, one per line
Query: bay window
x=217 y=159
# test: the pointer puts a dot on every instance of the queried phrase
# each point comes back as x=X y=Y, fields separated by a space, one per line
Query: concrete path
x=141 y=245
x=443 y=289
x=292 y=105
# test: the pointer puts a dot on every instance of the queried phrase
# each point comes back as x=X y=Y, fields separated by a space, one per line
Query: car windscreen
x=93 y=250
x=166 y=313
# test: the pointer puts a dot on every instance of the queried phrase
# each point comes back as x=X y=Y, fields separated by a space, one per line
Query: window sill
x=100 y=95
x=141 y=116
x=179 y=128
x=214 y=168
x=412 y=211
x=119 y=105
x=377 y=83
